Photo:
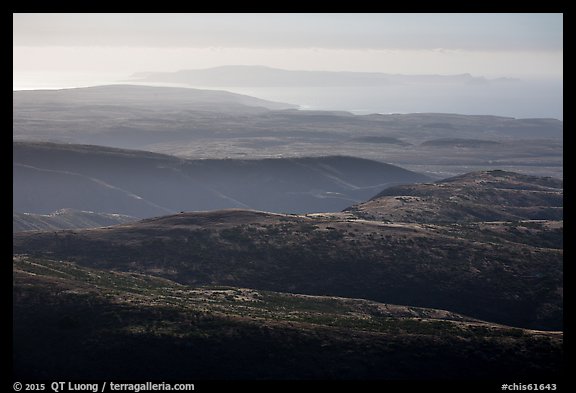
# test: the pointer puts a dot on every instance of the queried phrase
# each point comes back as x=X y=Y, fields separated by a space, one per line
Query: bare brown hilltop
x=479 y=196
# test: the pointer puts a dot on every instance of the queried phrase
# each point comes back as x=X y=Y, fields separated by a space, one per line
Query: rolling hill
x=49 y=177
x=374 y=292
x=465 y=269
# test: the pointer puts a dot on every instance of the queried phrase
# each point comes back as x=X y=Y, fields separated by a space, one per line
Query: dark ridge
x=76 y=323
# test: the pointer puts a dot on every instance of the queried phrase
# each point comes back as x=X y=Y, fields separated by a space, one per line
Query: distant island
x=261 y=76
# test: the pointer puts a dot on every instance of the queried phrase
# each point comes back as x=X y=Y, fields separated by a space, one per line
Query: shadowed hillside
x=74 y=322
x=49 y=177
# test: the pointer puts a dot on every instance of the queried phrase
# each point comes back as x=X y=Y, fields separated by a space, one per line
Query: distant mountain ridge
x=262 y=76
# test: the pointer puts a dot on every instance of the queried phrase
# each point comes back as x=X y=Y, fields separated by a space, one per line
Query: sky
x=100 y=45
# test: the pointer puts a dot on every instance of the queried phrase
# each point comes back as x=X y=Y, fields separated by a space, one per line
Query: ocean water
x=543 y=99
x=519 y=99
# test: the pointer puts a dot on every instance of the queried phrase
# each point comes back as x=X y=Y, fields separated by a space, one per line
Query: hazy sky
x=516 y=45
